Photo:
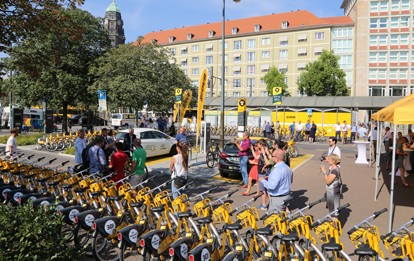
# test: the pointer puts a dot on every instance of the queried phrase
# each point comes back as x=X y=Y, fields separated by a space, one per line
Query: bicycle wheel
x=39 y=146
x=81 y=238
x=293 y=151
x=259 y=248
x=105 y=249
x=146 y=173
x=129 y=252
x=210 y=159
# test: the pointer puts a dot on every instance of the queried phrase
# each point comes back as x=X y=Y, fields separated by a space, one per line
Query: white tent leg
x=378 y=156
x=394 y=146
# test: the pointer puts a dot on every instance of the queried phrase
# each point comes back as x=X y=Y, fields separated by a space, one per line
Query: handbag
x=179 y=182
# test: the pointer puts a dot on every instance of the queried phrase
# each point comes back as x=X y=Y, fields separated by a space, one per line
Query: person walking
x=97 y=158
x=279 y=182
x=344 y=130
x=263 y=168
x=338 y=131
x=179 y=167
x=312 y=132
x=117 y=163
x=332 y=178
x=354 y=130
x=139 y=158
x=253 y=173
x=129 y=140
x=244 y=157
x=373 y=137
x=80 y=145
x=11 y=145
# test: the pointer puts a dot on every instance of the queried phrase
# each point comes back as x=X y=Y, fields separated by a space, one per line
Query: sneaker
x=261 y=207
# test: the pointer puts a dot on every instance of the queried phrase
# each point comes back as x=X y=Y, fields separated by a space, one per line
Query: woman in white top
x=179 y=167
x=11 y=145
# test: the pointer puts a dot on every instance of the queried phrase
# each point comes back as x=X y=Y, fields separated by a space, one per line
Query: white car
x=154 y=142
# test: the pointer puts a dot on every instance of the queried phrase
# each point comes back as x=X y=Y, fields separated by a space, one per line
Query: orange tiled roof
x=296 y=20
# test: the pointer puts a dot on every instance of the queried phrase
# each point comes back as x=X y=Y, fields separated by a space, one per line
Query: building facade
x=383 y=46
x=287 y=41
x=114 y=24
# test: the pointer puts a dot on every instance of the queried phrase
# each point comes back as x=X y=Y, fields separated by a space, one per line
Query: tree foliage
x=55 y=65
x=20 y=19
x=273 y=78
x=323 y=77
x=139 y=73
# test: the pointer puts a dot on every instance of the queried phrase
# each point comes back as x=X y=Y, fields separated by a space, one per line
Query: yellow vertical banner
x=188 y=94
x=200 y=101
x=175 y=112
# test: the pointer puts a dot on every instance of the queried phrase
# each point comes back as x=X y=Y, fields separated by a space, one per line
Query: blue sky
x=144 y=16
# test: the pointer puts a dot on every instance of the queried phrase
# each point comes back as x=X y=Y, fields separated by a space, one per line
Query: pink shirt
x=245 y=146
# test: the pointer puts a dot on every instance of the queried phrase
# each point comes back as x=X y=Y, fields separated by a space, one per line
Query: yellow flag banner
x=201 y=96
x=188 y=94
x=175 y=112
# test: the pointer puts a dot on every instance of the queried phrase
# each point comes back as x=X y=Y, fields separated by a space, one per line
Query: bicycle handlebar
x=319 y=221
x=203 y=193
x=140 y=184
x=395 y=232
x=220 y=199
x=299 y=211
x=372 y=217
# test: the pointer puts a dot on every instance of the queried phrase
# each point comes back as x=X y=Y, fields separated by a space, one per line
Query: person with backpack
x=97 y=158
x=80 y=144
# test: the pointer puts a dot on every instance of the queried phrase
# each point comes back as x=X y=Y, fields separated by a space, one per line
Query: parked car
x=154 y=142
x=74 y=119
x=229 y=161
x=96 y=121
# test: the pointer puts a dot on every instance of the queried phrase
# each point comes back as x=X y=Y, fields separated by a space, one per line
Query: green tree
x=20 y=19
x=323 y=77
x=134 y=73
x=273 y=78
x=55 y=65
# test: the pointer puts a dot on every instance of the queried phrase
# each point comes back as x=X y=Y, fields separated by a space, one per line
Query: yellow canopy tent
x=387 y=113
x=399 y=112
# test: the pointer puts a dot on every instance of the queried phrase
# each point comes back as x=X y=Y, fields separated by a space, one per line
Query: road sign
x=102 y=100
x=277 y=95
x=309 y=112
x=178 y=95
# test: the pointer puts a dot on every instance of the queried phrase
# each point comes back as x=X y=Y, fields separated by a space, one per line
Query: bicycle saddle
x=67 y=186
x=184 y=214
x=266 y=231
x=54 y=184
x=96 y=193
x=204 y=220
x=115 y=198
x=136 y=204
x=235 y=226
x=292 y=236
x=80 y=190
x=157 y=209
x=331 y=246
x=364 y=249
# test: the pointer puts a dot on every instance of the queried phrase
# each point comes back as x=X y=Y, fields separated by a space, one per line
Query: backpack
x=85 y=156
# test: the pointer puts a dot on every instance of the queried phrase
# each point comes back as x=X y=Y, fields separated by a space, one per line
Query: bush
x=23 y=140
x=29 y=233
x=70 y=151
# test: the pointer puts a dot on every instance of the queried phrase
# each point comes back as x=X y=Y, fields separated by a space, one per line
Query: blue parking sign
x=101 y=95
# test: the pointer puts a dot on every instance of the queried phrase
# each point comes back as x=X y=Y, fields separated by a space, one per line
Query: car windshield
x=231 y=148
x=116 y=116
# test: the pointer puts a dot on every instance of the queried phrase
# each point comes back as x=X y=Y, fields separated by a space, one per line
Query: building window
x=209 y=48
x=211 y=33
x=383 y=6
x=195 y=83
x=374 y=6
x=403 y=39
x=194 y=71
x=396 y=90
x=195 y=48
x=234 y=30
x=265 y=54
x=342 y=32
x=405 y=4
x=265 y=68
x=302 y=38
x=189 y=36
x=393 y=73
x=302 y=52
x=237 y=83
x=184 y=51
x=394 y=39
x=319 y=36
x=264 y=93
x=184 y=62
x=237 y=70
x=237 y=45
x=172 y=51
x=251 y=56
x=382 y=74
x=209 y=59
x=285 y=24
x=376 y=91
x=251 y=69
x=236 y=94
x=383 y=39
x=195 y=59
x=342 y=46
x=184 y=71
x=318 y=50
x=257 y=27
x=372 y=74
x=265 y=41
x=237 y=58
x=171 y=39
x=251 y=43
x=404 y=21
x=383 y=22
x=283 y=54
x=251 y=83
x=345 y=61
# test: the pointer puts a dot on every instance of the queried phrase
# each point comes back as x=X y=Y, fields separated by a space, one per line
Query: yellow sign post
x=277 y=100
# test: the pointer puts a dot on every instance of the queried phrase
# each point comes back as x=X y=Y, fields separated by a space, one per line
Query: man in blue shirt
x=279 y=182
x=268 y=130
x=97 y=157
x=181 y=137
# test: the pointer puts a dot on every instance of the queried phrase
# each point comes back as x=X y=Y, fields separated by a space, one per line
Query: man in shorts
x=139 y=157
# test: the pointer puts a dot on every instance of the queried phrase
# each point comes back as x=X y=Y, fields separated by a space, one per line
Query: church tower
x=114 y=24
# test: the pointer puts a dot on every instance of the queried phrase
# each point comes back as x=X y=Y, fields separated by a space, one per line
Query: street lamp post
x=223 y=38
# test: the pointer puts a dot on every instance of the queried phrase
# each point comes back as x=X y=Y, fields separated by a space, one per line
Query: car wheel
x=173 y=150
x=224 y=174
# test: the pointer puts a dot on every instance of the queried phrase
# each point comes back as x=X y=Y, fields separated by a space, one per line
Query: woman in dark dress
x=312 y=132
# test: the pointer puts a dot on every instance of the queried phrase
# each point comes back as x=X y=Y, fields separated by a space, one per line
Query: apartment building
x=253 y=45
x=383 y=46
